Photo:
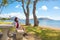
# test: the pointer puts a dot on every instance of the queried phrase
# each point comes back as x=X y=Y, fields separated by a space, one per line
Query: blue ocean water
x=51 y=23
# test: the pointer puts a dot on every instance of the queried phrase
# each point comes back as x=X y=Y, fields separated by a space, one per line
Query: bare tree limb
x=23 y=7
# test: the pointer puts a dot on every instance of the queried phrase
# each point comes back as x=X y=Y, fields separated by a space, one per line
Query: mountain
x=45 y=19
x=12 y=18
x=48 y=19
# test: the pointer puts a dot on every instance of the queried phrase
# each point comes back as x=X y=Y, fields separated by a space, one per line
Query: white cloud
x=14 y=14
x=18 y=6
x=47 y=17
x=36 y=11
x=22 y=16
x=31 y=16
x=44 y=7
x=19 y=15
x=50 y=17
x=56 y=7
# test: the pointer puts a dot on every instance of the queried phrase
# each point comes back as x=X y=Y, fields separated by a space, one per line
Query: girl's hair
x=16 y=19
x=16 y=22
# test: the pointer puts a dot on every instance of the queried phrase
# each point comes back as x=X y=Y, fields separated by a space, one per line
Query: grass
x=43 y=33
x=12 y=29
x=5 y=22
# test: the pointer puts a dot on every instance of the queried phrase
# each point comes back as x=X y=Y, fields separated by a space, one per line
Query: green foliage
x=12 y=29
x=44 y=34
x=4 y=2
x=5 y=19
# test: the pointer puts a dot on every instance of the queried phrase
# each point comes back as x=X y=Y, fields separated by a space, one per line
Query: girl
x=17 y=26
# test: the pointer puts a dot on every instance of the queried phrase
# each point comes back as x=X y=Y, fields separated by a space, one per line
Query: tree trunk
x=27 y=15
x=36 y=22
x=27 y=19
x=26 y=12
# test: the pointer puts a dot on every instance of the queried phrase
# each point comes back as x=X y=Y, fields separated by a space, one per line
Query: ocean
x=50 y=23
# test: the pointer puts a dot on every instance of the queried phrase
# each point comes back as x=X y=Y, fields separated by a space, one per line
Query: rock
x=1 y=35
x=19 y=36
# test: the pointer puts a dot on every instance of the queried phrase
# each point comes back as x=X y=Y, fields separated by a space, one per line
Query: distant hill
x=12 y=18
x=44 y=19
x=4 y=18
x=48 y=19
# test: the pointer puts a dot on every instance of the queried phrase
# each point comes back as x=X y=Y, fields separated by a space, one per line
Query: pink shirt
x=16 y=24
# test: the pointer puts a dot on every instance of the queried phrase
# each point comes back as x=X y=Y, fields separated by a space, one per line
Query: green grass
x=43 y=33
x=1 y=22
x=5 y=22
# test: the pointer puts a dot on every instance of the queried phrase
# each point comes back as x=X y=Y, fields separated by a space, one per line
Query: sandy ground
x=30 y=38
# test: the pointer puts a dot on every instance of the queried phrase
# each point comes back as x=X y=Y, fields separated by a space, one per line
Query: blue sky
x=46 y=9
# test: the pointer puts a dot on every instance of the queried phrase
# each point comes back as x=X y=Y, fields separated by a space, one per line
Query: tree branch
x=23 y=7
x=27 y=7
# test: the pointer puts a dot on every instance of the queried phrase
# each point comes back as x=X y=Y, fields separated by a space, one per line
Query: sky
x=45 y=9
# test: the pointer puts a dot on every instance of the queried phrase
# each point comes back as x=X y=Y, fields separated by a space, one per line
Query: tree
x=36 y=22
x=26 y=11
x=1 y=8
x=2 y=4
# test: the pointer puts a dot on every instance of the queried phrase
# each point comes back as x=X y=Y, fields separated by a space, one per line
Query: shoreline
x=47 y=27
x=50 y=27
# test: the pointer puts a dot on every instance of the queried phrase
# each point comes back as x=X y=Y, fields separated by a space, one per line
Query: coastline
x=50 y=27
x=46 y=27
x=43 y=27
